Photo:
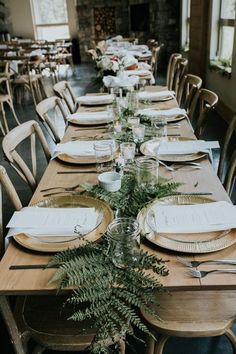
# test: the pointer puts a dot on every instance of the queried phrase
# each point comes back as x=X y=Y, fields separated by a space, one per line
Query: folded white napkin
x=155 y=96
x=138 y=72
x=180 y=147
x=196 y=218
x=144 y=66
x=167 y=112
x=38 y=221
x=80 y=148
x=139 y=47
x=90 y=99
x=129 y=60
x=89 y=117
x=144 y=54
x=120 y=81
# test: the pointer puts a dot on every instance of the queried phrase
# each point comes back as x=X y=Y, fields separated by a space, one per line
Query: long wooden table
x=36 y=281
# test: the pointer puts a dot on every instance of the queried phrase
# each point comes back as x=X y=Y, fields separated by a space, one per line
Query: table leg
x=10 y=322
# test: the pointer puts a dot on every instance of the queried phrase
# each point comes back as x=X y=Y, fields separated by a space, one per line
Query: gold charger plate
x=186 y=243
x=172 y=158
x=85 y=102
x=89 y=123
x=175 y=118
x=35 y=244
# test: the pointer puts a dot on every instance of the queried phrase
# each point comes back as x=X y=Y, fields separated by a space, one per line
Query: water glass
x=147 y=170
x=104 y=155
x=127 y=152
x=132 y=100
x=159 y=126
x=133 y=121
x=124 y=240
x=138 y=132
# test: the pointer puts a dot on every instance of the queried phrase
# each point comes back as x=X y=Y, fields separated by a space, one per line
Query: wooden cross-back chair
x=54 y=124
x=171 y=69
x=228 y=179
x=93 y=54
x=12 y=140
x=5 y=97
x=188 y=93
x=155 y=58
x=188 y=314
x=8 y=187
x=64 y=90
x=179 y=72
x=207 y=101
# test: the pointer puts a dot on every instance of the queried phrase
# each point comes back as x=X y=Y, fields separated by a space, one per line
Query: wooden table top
x=13 y=282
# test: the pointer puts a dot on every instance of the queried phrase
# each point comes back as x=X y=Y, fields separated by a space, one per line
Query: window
x=50 y=19
x=226 y=29
x=185 y=24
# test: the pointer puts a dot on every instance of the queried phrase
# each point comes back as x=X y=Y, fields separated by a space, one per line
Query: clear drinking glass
x=159 y=126
x=147 y=170
x=133 y=121
x=104 y=155
x=138 y=132
x=127 y=152
x=133 y=101
x=124 y=239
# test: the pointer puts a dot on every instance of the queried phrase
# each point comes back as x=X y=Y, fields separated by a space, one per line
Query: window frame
x=185 y=35
x=51 y=24
x=223 y=22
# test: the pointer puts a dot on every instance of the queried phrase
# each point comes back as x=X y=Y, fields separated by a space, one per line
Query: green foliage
x=108 y=295
x=132 y=196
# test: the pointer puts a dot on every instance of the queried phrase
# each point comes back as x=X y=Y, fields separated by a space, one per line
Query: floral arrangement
x=109 y=65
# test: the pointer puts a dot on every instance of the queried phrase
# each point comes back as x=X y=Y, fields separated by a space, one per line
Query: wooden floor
x=81 y=83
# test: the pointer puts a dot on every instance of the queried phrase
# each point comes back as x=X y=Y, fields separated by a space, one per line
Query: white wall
x=22 y=21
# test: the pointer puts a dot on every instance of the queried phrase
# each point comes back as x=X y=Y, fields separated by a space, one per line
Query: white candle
x=117 y=127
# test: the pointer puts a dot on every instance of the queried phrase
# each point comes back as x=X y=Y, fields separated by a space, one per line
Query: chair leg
x=160 y=344
x=150 y=341
x=4 y=118
x=13 y=111
x=232 y=338
x=39 y=349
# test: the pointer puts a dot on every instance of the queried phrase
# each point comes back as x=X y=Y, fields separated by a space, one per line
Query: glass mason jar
x=124 y=240
x=147 y=170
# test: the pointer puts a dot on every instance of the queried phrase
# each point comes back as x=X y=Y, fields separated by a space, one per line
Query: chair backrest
x=11 y=141
x=230 y=177
x=53 y=115
x=93 y=54
x=206 y=101
x=171 y=69
x=188 y=93
x=152 y=43
x=223 y=154
x=7 y=185
x=180 y=71
x=101 y=45
x=64 y=90
x=155 y=58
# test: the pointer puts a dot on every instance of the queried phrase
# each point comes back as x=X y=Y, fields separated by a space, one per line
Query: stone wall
x=164 y=21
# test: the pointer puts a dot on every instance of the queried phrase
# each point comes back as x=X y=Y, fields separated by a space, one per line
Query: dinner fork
x=73 y=188
x=201 y=274
x=194 y=264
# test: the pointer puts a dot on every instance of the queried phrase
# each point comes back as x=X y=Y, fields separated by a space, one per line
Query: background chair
x=53 y=115
x=171 y=69
x=155 y=58
x=180 y=71
x=188 y=93
x=206 y=101
x=10 y=143
x=64 y=90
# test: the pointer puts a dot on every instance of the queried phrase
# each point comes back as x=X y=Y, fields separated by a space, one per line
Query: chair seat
x=4 y=98
x=194 y=314
x=46 y=318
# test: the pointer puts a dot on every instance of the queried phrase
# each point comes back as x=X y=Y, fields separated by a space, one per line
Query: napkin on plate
x=155 y=96
x=197 y=218
x=36 y=221
x=120 y=81
x=89 y=117
x=180 y=147
x=173 y=112
x=93 y=99
x=79 y=148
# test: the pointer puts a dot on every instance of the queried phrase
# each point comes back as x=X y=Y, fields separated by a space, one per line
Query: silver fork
x=194 y=264
x=73 y=188
x=201 y=274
